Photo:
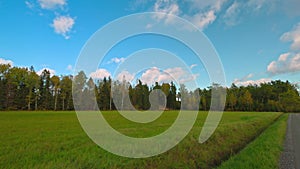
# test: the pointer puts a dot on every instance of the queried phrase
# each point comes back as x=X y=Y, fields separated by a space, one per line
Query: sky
x=257 y=40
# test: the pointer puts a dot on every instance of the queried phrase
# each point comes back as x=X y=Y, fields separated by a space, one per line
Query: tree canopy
x=24 y=89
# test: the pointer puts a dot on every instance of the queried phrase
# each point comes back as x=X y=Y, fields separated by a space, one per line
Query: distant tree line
x=24 y=89
x=273 y=96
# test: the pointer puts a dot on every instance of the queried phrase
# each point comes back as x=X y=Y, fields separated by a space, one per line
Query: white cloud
x=188 y=78
x=245 y=78
x=286 y=63
x=29 y=5
x=251 y=82
x=70 y=68
x=193 y=65
x=52 y=72
x=100 y=74
x=201 y=13
x=211 y=4
x=178 y=74
x=272 y=67
x=51 y=4
x=256 y=4
x=202 y=20
x=3 y=61
x=125 y=75
x=283 y=57
x=298 y=85
x=149 y=26
x=231 y=15
x=249 y=76
x=137 y=4
x=165 y=9
x=235 y=11
x=63 y=25
x=245 y=81
x=205 y=12
x=293 y=36
x=151 y=75
x=166 y=6
x=117 y=60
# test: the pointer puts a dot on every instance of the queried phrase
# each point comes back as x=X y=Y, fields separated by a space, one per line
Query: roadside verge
x=264 y=151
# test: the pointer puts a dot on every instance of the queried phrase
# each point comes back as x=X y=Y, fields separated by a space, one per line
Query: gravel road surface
x=290 y=158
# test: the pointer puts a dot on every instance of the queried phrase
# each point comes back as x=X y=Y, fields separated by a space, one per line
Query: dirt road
x=290 y=158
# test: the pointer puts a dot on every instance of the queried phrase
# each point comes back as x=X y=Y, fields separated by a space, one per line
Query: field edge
x=262 y=152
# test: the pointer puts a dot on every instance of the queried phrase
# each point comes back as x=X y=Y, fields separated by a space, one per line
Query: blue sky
x=257 y=40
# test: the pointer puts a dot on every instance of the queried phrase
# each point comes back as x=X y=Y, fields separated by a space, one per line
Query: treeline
x=273 y=96
x=24 y=89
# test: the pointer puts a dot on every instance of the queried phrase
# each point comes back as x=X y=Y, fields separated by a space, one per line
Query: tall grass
x=264 y=152
x=56 y=140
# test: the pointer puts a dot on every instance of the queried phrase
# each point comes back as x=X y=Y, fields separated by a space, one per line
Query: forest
x=24 y=89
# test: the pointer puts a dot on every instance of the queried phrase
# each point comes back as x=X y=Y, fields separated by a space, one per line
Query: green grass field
x=56 y=140
x=263 y=152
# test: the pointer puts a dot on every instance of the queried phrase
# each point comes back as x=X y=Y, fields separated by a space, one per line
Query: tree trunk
x=63 y=106
x=36 y=104
x=29 y=101
x=55 y=102
x=55 y=99
x=110 y=99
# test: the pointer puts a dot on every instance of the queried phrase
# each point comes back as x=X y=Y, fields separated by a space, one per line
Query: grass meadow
x=56 y=140
x=264 y=151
